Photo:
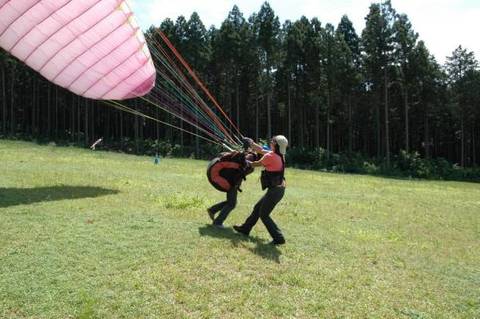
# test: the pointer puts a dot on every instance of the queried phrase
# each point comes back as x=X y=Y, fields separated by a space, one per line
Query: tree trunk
x=12 y=102
x=350 y=124
x=181 y=133
x=65 y=120
x=79 y=113
x=229 y=104
x=289 y=115
x=377 y=125
x=56 y=112
x=197 y=139
x=300 y=107
x=86 y=122
x=157 y=130
x=317 y=125
x=427 y=134
x=328 y=133
x=474 y=150
x=136 y=128
x=41 y=108
x=256 y=121
x=387 y=137
x=34 y=102
x=307 y=133
x=462 y=147
x=407 y=129
x=142 y=134
x=269 y=115
x=121 y=130
x=108 y=125
x=328 y=123
x=49 y=111
x=72 y=118
x=237 y=102
x=4 y=102
x=269 y=96
x=93 y=105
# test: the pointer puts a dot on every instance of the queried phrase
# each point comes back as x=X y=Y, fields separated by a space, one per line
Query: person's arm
x=261 y=162
x=256 y=147
x=256 y=164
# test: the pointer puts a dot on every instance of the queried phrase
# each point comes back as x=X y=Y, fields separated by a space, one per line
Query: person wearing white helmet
x=272 y=179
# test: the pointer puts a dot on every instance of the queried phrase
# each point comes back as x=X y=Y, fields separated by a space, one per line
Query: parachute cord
x=194 y=76
x=122 y=107
x=182 y=118
x=189 y=97
x=188 y=91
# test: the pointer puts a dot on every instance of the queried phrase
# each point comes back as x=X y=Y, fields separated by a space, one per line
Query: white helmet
x=282 y=143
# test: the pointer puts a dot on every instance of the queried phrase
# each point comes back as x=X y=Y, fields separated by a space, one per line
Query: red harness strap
x=217 y=178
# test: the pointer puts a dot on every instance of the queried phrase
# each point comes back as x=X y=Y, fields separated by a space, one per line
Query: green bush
x=305 y=158
x=405 y=164
x=412 y=165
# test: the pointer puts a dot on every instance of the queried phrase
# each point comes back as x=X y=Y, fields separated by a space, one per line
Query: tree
x=294 y=67
x=3 y=69
x=349 y=43
x=405 y=41
x=427 y=84
x=197 y=52
x=328 y=57
x=314 y=74
x=267 y=29
x=228 y=55
x=461 y=67
x=377 y=42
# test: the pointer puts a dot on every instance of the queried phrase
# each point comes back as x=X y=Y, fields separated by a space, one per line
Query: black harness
x=229 y=170
x=272 y=179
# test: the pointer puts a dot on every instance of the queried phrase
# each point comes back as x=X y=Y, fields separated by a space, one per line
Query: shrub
x=412 y=165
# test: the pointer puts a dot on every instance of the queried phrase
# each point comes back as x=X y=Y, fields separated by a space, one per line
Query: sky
x=442 y=24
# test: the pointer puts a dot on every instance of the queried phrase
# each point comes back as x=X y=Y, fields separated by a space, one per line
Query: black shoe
x=241 y=230
x=211 y=214
x=277 y=242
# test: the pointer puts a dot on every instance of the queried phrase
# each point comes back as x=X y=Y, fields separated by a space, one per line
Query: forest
x=349 y=100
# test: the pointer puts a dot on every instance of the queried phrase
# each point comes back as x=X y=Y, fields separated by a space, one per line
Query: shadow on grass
x=261 y=249
x=25 y=196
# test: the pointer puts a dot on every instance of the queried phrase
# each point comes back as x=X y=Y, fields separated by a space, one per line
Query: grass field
x=103 y=235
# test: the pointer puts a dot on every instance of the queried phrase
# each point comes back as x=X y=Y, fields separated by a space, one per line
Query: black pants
x=225 y=207
x=262 y=210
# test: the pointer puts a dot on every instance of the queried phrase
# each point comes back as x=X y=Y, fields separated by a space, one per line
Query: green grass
x=102 y=235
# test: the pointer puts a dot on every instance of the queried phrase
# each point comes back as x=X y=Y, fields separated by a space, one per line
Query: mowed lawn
x=87 y=234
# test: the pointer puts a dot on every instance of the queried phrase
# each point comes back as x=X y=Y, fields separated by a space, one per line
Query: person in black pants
x=232 y=168
x=274 y=181
x=224 y=207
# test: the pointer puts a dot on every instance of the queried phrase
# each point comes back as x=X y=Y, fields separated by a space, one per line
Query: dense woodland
x=376 y=93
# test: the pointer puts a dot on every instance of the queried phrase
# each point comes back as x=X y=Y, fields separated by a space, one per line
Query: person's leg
x=251 y=220
x=217 y=207
x=214 y=209
x=272 y=198
x=227 y=207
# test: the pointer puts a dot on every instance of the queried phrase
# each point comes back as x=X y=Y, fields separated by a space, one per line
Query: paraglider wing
x=93 y=48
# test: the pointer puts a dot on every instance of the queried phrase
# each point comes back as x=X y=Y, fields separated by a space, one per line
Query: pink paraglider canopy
x=93 y=48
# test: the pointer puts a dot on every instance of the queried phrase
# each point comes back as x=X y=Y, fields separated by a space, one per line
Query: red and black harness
x=229 y=169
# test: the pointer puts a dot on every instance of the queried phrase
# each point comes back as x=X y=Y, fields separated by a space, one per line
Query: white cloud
x=442 y=24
